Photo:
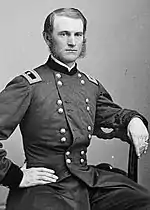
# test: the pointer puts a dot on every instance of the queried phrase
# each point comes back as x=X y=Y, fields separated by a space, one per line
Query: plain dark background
x=118 y=54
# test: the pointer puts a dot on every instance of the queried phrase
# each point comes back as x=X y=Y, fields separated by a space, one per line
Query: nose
x=71 y=41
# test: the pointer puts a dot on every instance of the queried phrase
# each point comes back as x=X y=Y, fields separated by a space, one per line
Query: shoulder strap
x=91 y=79
x=32 y=76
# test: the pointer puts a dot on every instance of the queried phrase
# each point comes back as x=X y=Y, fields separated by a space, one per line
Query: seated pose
x=58 y=109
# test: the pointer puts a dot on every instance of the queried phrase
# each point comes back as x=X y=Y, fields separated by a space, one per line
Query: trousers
x=74 y=194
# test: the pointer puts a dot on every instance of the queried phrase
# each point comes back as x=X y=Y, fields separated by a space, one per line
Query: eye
x=63 y=34
x=79 y=34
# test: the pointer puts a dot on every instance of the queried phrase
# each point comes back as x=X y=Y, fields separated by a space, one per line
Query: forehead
x=62 y=23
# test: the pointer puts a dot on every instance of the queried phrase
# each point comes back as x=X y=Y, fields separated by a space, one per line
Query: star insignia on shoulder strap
x=32 y=76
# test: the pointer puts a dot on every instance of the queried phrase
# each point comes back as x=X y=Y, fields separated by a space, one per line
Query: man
x=58 y=109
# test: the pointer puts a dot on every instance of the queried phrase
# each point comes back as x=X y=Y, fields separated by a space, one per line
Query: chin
x=71 y=58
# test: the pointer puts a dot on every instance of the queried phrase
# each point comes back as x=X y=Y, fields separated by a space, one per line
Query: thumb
x=24 y=166
x=135 y=143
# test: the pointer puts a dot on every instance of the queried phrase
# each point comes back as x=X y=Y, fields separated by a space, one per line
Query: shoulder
x=32 y=76
x=37 y=75
x=91 y=79
x=23 y=82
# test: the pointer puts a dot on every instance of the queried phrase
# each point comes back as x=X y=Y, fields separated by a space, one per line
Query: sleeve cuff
x=13 y=177
x=130 y=115
x=142 y=118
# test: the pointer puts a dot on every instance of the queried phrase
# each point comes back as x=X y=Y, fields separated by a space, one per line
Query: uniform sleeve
x=14 y=101
x=111 y=115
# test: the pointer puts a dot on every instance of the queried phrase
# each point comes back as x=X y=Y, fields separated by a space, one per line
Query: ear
x=47 y=38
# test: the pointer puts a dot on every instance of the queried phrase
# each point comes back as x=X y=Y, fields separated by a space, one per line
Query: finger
x=51 y=175
x=141 y=146
x=46 y=173
x=144 y=146
x=42 y=169
x=145 y=139
x=137 y=151
x=38 y=182
x=41 y=182
x=143 y=150
x=47 y=179
x=47 y=176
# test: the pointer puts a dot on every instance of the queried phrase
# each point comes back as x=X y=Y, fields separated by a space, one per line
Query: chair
x=2 y=206
x=132 y=158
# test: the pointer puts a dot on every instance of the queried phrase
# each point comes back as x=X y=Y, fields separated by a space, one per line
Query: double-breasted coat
x=58 y=112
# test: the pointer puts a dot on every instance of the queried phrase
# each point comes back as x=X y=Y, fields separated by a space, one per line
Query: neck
x=68 y=66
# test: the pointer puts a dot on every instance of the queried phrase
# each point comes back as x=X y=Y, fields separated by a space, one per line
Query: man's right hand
x=37 y=176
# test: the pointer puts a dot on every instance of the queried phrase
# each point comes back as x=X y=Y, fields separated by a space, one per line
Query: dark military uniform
x=58 y=112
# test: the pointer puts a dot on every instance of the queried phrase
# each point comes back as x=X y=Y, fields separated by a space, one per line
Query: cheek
x=79 y=41
x=79 y=45
x=59 y=46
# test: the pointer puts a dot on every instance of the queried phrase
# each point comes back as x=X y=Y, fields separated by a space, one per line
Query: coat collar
x=62 y=69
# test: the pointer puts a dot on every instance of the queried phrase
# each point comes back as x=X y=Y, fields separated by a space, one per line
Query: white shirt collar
x=62 y=64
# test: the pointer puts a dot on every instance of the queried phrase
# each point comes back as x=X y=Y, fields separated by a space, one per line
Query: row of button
x=82 y=81
x=68 y=160
x=89 y=127
x=60 y=83
x=63 y=131
x=63 y=139
x=59 y=102
x=82 y=152
x=58 y=75
x=60 y=110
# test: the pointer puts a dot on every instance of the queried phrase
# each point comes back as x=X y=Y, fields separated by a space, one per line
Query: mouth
x=71 y=50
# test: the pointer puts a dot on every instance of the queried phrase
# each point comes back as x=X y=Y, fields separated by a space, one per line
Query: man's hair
x=67 y=12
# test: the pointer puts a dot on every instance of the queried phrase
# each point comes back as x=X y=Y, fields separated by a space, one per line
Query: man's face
x=67 y=38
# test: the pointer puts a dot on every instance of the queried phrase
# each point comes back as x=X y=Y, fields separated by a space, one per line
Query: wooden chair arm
x=132 y=158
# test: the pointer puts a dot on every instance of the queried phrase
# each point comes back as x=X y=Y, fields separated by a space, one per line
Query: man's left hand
x=138 y=133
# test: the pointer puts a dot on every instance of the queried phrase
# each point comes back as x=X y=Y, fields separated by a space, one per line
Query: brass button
x=59 y=83
x=89 y=136
x=59 y=102
x=68 y=160
x=58 y=75
x=88 y=108
x=62 y=130
x=63 y=139
x=60 y=110
x=89 y=128
x=79 y=75
x=82 y=82
x=87 y=100
x=82 y=152
x=67 y=153
x=82 y=160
